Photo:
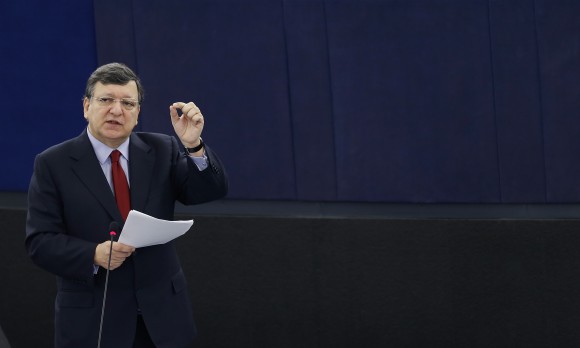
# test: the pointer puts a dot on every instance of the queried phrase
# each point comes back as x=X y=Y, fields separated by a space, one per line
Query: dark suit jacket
x=70 y=207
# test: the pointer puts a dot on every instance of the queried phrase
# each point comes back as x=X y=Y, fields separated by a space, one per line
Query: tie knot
x=115 y=155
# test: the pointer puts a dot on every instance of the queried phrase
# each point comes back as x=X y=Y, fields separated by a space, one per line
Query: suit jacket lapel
x=86 y=166
x=141 y=170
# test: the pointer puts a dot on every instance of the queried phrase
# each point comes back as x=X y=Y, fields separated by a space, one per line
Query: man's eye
x=128 y=103
x=106 y=100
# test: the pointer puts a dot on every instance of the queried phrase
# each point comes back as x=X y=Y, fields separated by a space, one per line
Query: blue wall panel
x=412 y=93
x=558 y=27
x=310 y=100
x=368 y=101
x=517 y=102
x=47 y=51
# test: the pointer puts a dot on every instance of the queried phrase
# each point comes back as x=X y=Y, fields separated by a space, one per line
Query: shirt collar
x=103 y=151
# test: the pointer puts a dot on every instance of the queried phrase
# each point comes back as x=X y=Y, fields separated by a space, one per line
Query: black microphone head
x=114 y=227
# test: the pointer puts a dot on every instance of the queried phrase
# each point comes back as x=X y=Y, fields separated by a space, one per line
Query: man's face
x=110 y=113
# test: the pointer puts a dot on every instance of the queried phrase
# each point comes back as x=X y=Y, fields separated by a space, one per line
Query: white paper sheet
x=141 y=230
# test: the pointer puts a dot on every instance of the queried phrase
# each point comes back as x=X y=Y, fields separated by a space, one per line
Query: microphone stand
x=113 y=234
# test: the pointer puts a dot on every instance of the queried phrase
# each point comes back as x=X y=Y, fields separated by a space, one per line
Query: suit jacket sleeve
x=194 y=186
x=48 y=244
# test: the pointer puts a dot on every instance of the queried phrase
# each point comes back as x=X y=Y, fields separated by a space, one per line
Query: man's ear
x=137 y=117
x=85 y=107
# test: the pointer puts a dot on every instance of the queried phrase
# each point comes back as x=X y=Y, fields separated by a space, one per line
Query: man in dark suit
x=72 y=202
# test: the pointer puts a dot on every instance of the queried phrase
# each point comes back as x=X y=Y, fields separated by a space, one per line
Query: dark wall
x=397 y=101
x=281 y=282
x=47 y=53
x=365 y=101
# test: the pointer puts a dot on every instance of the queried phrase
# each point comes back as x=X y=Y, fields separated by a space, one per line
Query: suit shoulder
x=58 y=149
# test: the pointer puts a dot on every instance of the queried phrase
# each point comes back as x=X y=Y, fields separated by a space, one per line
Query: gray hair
x=113 y=74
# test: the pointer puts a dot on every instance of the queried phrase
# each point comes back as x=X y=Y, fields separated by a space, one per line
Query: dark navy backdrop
x=377 y=101
x=47 y=51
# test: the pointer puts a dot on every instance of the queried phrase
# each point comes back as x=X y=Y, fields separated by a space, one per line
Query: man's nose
x=116 y=108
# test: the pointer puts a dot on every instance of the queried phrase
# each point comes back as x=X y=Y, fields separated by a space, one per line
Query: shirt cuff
x=200 y=162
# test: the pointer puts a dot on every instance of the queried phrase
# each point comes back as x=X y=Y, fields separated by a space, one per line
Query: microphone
x=113 y=228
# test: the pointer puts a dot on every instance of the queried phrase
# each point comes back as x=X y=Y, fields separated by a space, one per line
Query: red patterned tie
x=120 y=185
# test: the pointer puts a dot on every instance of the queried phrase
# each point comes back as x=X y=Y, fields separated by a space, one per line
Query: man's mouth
x=113 y=122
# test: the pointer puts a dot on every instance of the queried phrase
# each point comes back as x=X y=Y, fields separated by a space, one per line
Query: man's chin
x=114 y=136
x=115 y=131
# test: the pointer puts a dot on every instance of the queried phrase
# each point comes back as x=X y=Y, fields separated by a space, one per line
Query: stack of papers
x=142 y=230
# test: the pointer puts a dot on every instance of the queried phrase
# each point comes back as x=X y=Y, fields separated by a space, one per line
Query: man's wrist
x=192 y=150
